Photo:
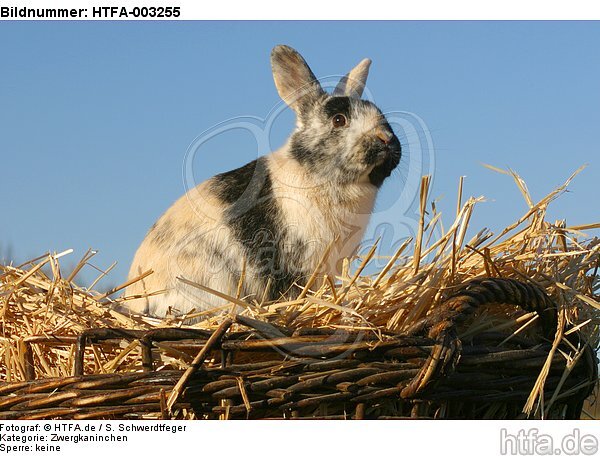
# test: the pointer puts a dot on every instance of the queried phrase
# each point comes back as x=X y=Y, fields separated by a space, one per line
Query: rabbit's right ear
x=295 y=81
x=353 y=84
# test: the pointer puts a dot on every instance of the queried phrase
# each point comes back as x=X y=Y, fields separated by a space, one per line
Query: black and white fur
x=278 y=213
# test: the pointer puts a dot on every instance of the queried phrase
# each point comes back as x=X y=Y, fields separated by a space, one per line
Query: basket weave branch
x=269 y=371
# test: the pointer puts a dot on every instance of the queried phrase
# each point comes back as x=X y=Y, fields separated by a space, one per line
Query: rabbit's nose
x=384 y=135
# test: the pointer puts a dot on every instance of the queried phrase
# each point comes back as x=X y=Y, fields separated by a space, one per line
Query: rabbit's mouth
x=383 y=159
x=376 y=156
x=379 y=152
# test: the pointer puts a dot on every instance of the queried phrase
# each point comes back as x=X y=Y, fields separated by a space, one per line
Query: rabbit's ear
x=353 y=84
x=294 y=80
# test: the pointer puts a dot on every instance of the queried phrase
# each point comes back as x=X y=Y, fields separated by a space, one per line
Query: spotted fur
x=273 y=218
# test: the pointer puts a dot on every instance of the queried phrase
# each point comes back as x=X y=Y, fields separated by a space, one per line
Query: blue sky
x=96 y=118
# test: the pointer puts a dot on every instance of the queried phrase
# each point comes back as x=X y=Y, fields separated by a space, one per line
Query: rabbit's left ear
x=295 y=82
x=353 y=84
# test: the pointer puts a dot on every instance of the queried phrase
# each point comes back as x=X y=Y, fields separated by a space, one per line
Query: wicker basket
x=269 y=371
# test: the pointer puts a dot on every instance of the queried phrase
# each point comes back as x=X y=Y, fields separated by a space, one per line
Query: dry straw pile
x=41 y=310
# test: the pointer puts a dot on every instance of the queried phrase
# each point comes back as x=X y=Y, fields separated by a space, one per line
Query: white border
x=348 y=9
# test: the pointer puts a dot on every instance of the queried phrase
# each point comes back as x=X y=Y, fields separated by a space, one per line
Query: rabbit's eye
x=339 y=120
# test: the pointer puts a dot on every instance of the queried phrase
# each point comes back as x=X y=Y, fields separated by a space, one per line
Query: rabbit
x=272 y=219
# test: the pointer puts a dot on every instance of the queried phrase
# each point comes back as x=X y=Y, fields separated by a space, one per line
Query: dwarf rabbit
x=274 y=217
